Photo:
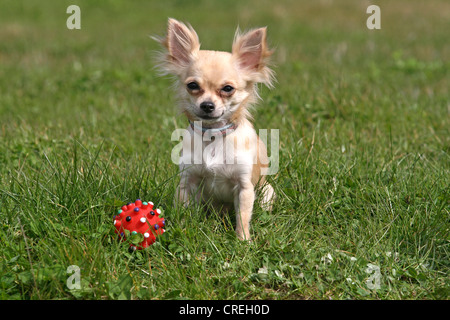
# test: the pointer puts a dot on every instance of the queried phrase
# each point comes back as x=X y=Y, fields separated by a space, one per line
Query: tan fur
x=262 y=162
x=205 y=77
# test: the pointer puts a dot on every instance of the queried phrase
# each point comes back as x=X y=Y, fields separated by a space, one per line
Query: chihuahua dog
x=215 y=91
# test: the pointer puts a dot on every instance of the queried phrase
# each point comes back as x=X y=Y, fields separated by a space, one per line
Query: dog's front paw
x=243 y=235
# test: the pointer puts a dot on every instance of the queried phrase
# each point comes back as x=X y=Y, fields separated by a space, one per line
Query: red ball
x=139 y=218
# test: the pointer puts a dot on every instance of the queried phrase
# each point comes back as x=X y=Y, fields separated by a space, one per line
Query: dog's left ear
x=252 y=55
x=182 y=42
x=182 y=45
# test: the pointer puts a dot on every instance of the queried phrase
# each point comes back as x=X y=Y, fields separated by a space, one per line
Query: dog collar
x=229 y=128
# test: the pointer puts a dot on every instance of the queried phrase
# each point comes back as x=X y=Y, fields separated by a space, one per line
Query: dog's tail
x=267 y=197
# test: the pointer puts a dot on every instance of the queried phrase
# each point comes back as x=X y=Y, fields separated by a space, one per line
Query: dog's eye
x=228 y=89
x=193 y=86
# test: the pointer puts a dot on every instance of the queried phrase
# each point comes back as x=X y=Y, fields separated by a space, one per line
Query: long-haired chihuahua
x=215 y=91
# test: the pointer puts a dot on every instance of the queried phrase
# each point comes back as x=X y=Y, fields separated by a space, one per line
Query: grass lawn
x=363 y=182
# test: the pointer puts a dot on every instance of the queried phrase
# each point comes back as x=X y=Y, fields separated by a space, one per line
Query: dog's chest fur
x=224 y=163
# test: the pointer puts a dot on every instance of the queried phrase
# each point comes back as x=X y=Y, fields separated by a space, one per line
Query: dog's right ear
x=182 y=45
x=252 y=55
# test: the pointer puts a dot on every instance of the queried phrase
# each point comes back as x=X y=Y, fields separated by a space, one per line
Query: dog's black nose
x=207 y=106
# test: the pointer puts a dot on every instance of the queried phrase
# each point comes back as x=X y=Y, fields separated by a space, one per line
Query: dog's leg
x=243 y=203
x=182 y=194
x=184 y=189
x=189 y=191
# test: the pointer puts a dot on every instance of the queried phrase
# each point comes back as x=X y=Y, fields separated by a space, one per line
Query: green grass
x=85 y=126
